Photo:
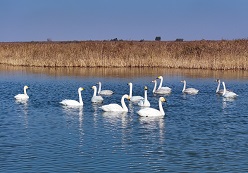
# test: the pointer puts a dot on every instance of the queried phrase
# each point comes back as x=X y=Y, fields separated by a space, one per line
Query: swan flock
x=143 y=102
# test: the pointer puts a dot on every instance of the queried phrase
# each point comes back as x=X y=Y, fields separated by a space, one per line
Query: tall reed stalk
x=191 y=54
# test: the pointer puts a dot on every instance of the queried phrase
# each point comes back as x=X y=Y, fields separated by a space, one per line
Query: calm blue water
x=199 y=133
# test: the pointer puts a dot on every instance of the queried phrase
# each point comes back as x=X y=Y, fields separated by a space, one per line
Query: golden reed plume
x=231 y=54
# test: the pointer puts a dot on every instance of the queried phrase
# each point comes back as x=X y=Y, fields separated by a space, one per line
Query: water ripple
x=199 y=133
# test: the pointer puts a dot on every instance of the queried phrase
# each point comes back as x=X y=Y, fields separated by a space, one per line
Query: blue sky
x=63 y=20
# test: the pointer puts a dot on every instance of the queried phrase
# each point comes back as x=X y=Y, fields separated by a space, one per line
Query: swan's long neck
x=100 y=87
x=25 y=90
x=224 y=86
x=184 y=86
x=161 y=82
x=123 y=104
x=131 y=91
x=161 y=107
x=94 y=91
x=155 y=86
x=145 y=95
x=80 y=97
x=218 y=87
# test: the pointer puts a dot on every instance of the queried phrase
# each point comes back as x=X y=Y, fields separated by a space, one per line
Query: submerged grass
x=191 y=54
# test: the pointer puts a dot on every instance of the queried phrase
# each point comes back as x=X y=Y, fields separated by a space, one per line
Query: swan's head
x=154 y=81
x=26 y=87
x=159 y=77
x=183 y=81
x=126 y=97
x=98 y=83
x=93 y=87
x=130 y=84
x=162 y=99
x=217 y=80
x=80 y=89
x=145 y=88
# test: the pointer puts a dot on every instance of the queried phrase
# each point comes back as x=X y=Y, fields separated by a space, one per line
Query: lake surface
x=199 y=133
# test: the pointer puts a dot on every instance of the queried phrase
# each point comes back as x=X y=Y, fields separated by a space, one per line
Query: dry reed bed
x=192 y=54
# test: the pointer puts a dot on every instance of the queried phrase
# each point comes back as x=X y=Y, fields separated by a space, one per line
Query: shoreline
x=204 y=54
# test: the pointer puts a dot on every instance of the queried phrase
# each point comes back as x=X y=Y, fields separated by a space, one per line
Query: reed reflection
x=128 y=72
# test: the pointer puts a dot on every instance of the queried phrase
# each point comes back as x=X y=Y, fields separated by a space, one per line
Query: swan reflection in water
x=72 y=112
x=80 y=118
x=227 y=102
x=115 y=117
x=120 y=121
x=96 y=110
x=24 y=106
x=151 y=124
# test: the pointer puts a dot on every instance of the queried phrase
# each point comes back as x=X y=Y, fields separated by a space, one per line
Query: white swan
x=23 y=96
x=166 y=90
x=67 y=102
x=95 y=98
x=218 y=90
x=159 y=91
x=115 y=107
x=228 y=94
x=103 y=92
x=151 y=112
x=145 y=102
x=189 y=90
x=133 y=98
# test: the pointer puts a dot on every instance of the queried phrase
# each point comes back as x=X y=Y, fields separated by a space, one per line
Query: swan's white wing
x=112 y=108
x=148 y=112
x=106 y=92
x=141 y=103
x=97 y=99
x=144 y=103
x=21 y=96
x=191 y=91
x=67 y=102
x=221 y=91
x=136 y=98
x=230 y=94
x=162 y=91
x=165 y=88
